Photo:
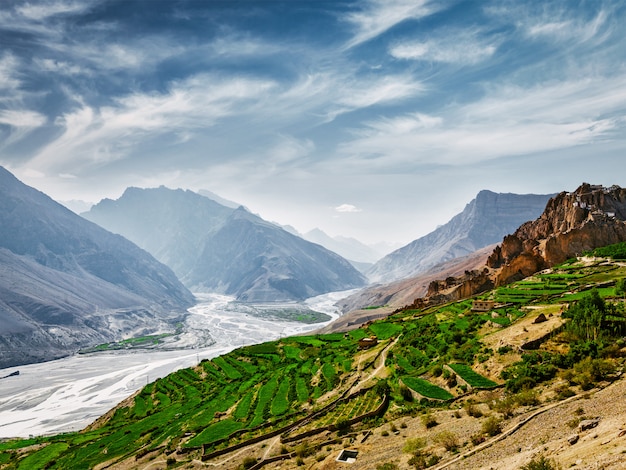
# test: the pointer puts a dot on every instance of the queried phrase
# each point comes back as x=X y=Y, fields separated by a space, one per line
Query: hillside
x=572 y=223
x=214 y=248
x=66 y=283
x=484 y=221
x=452 y=386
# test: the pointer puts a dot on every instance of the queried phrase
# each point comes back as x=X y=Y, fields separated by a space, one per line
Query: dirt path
x=383 y=357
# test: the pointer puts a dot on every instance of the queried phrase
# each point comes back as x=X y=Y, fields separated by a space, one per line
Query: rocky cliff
x=484 y=221
x=571 y=224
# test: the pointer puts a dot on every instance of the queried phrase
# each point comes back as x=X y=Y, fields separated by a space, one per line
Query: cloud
x=21 y=123
x=510 y=121
x=378 y=16
x=21 y=118
x=94 y=135
x=8 y=72
x=449 y=46
x=347 y=208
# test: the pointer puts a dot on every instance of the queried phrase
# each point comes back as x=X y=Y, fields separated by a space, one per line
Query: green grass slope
x=313 y=390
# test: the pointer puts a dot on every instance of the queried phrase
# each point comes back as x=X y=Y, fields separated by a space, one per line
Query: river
x=70 y=393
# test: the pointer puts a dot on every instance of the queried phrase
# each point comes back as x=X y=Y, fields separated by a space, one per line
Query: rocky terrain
x=66 y=283
x=572 y=223
x=214 y=248
x=484 y=221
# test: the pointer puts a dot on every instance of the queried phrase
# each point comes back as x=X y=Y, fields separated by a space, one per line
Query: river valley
x=69 y=393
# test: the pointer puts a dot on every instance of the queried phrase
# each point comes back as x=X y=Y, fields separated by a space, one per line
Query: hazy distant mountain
x=218 y=199
x=67 y=283
x=215 y=248
x=350 y=248
x=484 y=221
x=77 y=206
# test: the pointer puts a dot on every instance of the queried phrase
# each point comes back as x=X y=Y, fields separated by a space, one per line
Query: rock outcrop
x=572 y=223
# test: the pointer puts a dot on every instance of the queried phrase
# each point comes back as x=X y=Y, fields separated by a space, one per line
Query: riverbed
x=70 y=393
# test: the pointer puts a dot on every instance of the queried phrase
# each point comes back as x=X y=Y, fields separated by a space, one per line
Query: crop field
x=473 y=378
x=427 y=389
x=262 y=387
x=385 y=330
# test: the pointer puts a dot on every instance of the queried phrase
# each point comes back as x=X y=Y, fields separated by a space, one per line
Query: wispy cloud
x=8 y=72
x=450 y=46
x=510 y=121
x=378 y=16
x=98 y=135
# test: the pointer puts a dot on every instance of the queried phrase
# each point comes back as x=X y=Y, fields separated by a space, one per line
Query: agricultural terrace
x=267 y=388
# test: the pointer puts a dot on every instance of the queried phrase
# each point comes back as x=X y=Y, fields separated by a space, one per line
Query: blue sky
x=374 y=119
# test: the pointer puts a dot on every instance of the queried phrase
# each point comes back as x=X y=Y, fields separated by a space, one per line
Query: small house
x=482 y=305
x=366 y=343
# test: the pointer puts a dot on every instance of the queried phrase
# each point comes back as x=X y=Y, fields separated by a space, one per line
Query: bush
x=414 y=445
x=448 y=440
x=492 y=426
x=472 y=410
x=429 y=421
x=527 y=398
x=248 y=462
x=387 y=466
x=540 y=463
x=406 y=393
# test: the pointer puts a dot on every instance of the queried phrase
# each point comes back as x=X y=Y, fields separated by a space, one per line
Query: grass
x=473 y=378
x=385 y=330
x=427 y=389
x=258 y=385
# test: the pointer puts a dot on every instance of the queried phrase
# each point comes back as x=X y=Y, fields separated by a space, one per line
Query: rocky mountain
x=66 y=283
x=590 y=217
x=215 y=248
x=484 y=221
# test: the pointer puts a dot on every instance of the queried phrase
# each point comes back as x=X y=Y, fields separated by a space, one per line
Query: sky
x=373 y=119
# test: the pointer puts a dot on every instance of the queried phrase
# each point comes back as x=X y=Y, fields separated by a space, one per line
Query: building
x=482 y=305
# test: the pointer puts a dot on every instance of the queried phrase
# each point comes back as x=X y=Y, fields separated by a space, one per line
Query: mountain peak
x=484 y=221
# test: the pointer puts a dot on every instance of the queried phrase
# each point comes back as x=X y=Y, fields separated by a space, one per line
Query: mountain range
x=483 y=221
x=215 y=248
x=67 y=283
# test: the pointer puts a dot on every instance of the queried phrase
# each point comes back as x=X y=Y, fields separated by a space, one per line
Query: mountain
x=484 y=221
x=572 y=223
x=215 y=248
x=352 y=249
x=66 y=283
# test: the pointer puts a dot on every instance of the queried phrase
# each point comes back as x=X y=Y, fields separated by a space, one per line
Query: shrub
x=414 y=445
x=429 y=421
x=472 y=410
x=506 y=406
x=387 y=466
x=448 y=440
x=492 y=426
x=540 y=463
x=248 y=462
x=527 y=398
x=406 y=393
x=418 y=461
